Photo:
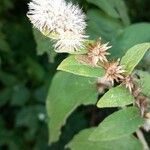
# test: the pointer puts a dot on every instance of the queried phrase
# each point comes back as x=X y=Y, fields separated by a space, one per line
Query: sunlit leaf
x=118 y=125
x=72 y=65
x=116 y=97
x=134 y=56
x=81 y=141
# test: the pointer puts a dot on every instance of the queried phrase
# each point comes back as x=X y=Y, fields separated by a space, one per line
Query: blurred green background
x=27 y=65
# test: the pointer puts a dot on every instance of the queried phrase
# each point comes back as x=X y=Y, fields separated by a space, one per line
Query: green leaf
x=134 y=56
x=72 y=65
x=106 y=6
x=20 y=95
x=44 y=45
x=144 y=82
x=80 y=142
x=67 y=91
x=5 y=96
x=121 y=8
x=35 y=69
x=101 y=25
x=116 y=97
x=127 y=38
x=118 y=125
x=115 y=9
x=4 y=46
x=5 y=77
x=30 y=117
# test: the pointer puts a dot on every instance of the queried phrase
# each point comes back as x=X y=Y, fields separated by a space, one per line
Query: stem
x=142 y=139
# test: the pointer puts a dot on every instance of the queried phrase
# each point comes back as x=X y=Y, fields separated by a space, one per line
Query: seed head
x=114 y=71
x=128 y=82
x=98 y=52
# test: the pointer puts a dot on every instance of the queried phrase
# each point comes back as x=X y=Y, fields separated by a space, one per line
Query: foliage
x=29 y=81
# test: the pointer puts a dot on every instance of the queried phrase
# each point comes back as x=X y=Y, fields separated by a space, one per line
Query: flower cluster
x=59 y=18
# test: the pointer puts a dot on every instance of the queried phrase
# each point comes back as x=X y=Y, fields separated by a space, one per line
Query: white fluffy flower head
x=69 y=41
x=65 y=20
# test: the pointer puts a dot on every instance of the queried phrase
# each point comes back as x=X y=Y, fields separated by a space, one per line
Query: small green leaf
x=67 y=91
x=144 y=82
x=44 y=45
x=80 y=142
x=116 y=97
x=134 y=56
x=72 y=65
x=118 y=125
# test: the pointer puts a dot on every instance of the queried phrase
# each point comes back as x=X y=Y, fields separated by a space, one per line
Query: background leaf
x=70 y=92
x=72 y=65
x=80 y=142
x=119 y=124
x=144 y=82
x=44 y=45
x=101 y=25
x=134 y=34
x=30 y=118
x=116 y=97
x=115 y=9
x=106 y=6
x=20 y=95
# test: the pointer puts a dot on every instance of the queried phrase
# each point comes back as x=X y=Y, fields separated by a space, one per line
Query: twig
x=142 y=139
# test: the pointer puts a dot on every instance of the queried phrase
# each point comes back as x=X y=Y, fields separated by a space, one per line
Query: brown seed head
x=128 y=81
x=98 y=52
x=114 y=71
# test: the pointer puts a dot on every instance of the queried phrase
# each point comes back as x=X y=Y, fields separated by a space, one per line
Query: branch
x=142 y=139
